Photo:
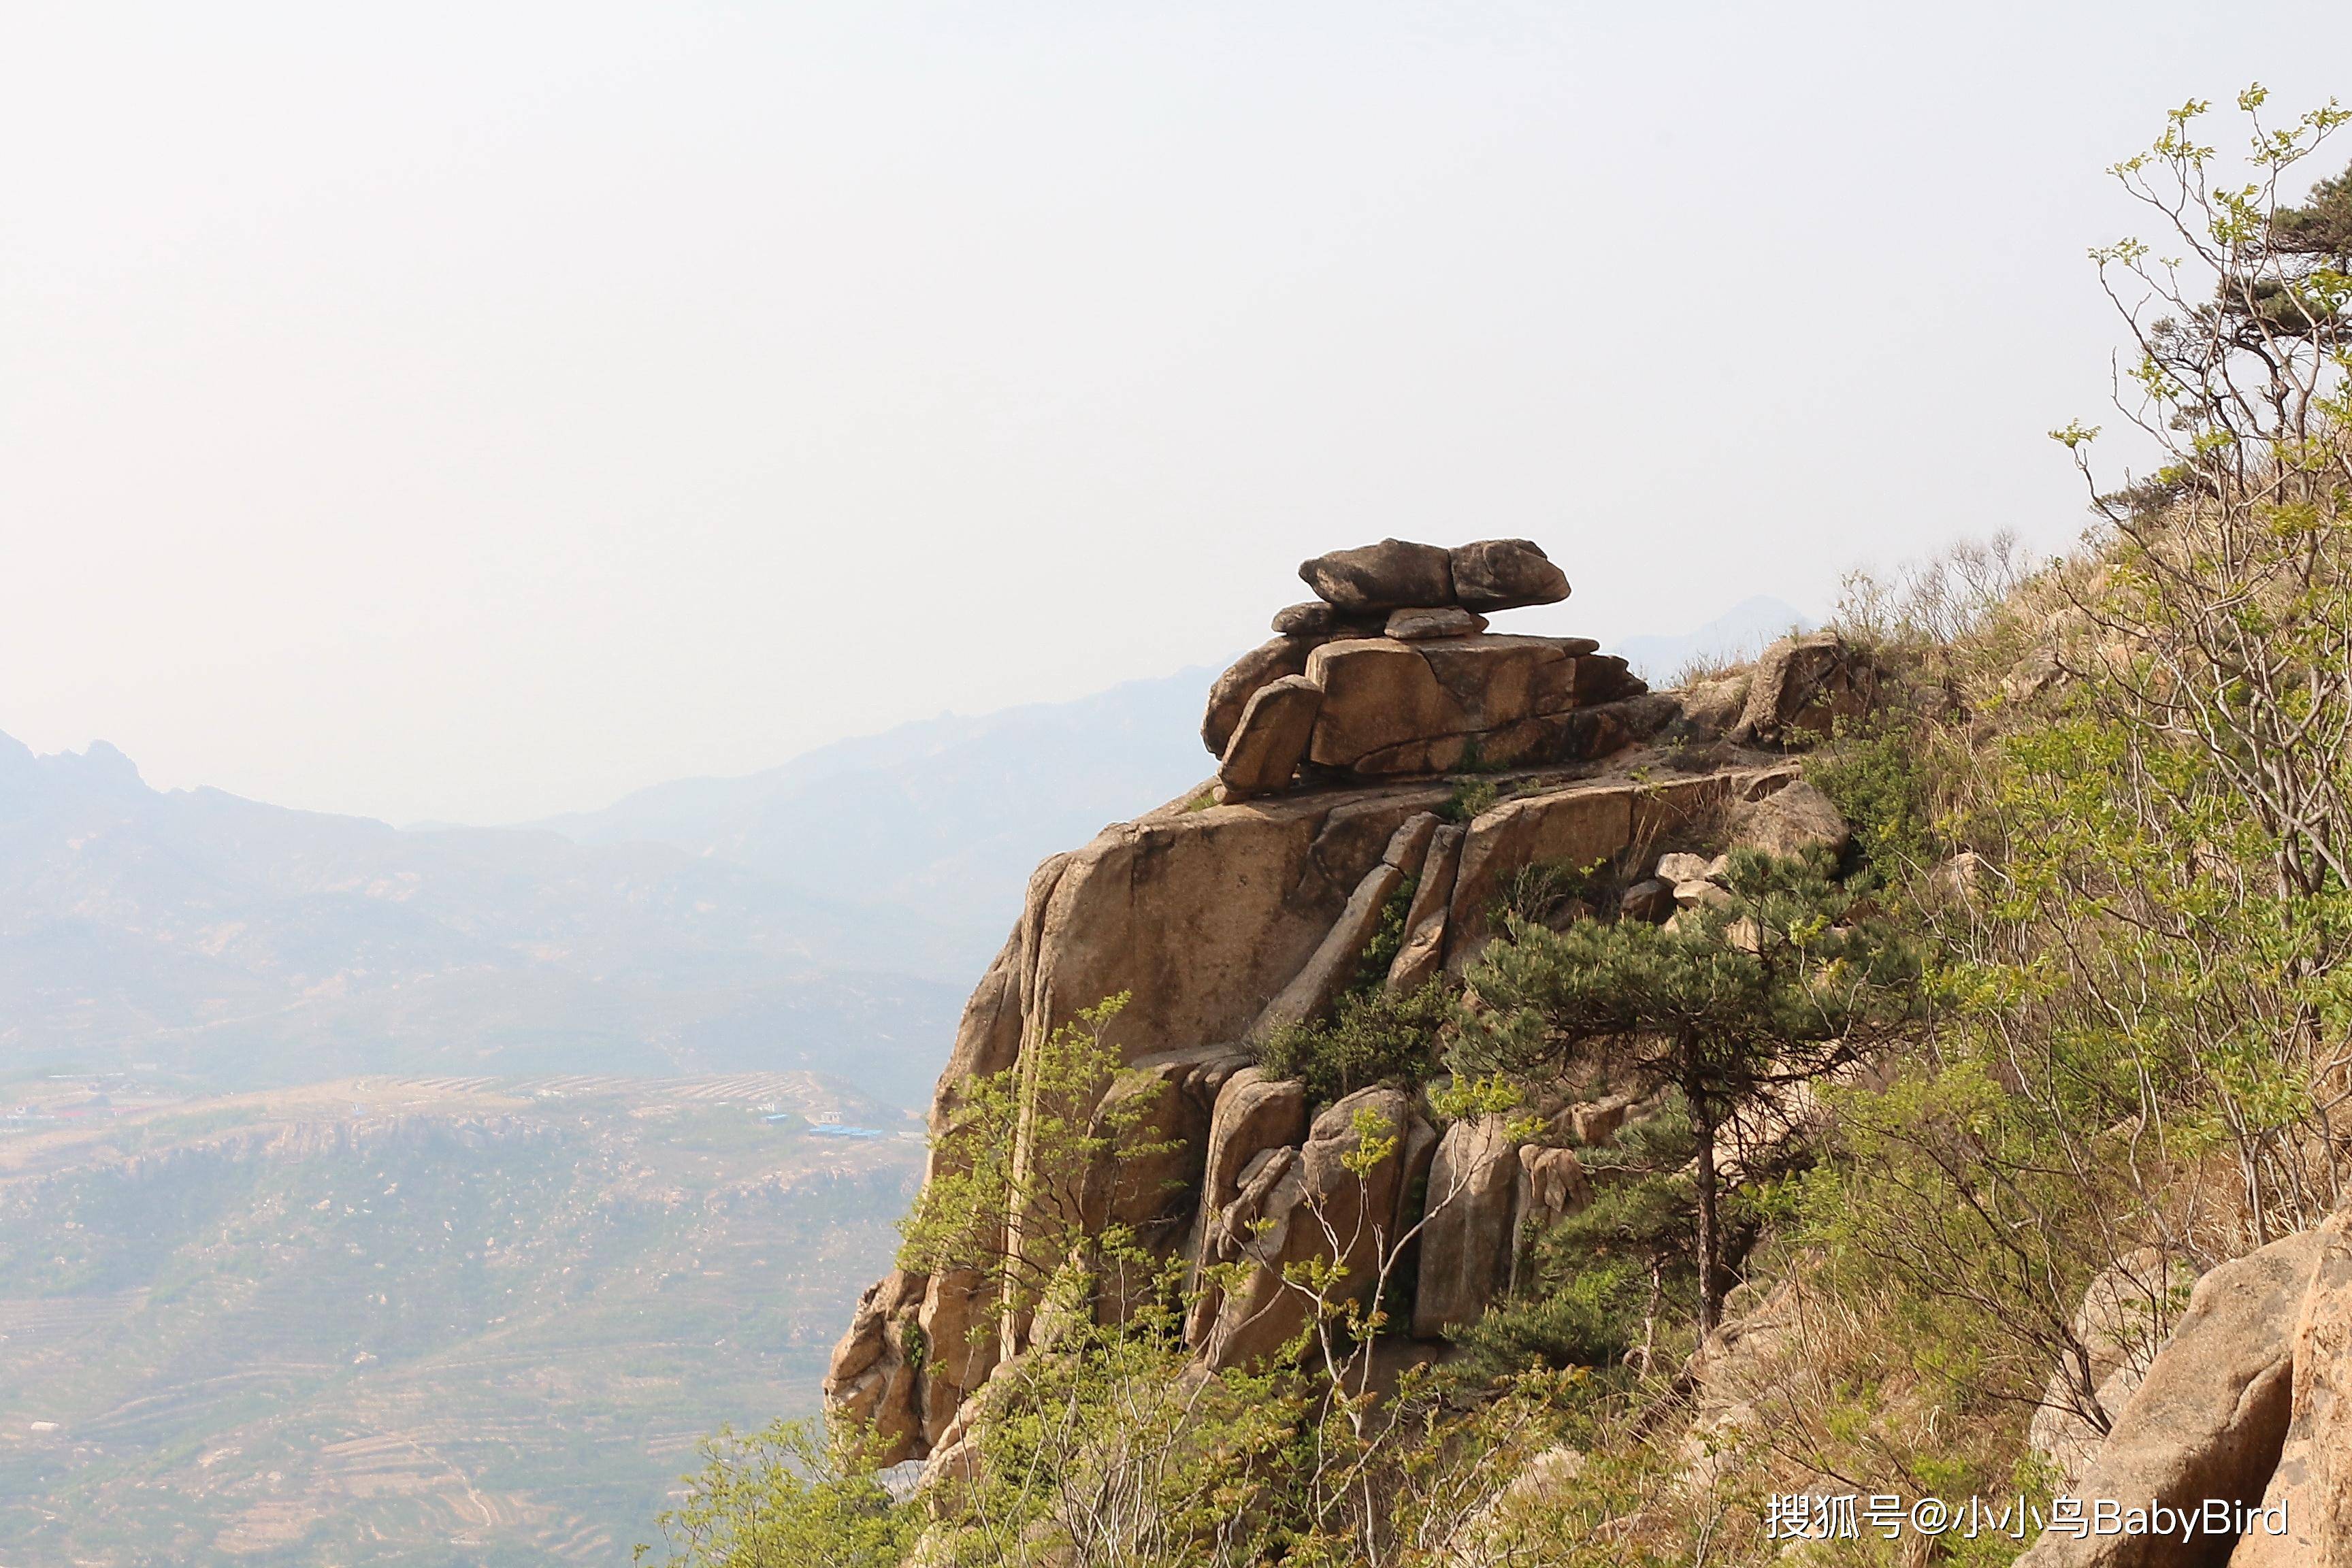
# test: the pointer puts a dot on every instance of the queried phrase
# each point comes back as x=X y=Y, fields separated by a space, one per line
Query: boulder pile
x=1389 y=671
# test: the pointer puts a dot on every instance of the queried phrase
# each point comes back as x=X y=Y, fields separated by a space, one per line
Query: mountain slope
x=947 y=816
x=826 y=914
x=454 y=1322
x=246 y=943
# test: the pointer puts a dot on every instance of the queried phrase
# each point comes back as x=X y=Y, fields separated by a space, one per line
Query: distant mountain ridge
x=827 y=914
x=1737 y=634
x=948 y=814
x=244 y=943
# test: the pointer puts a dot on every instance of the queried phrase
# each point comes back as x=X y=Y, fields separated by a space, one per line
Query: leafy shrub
x=1388 y=938
x=786 y=1495
x=1470 y=798
x=1878 y=776
x=1591 y=1318
x=1376 y=1035
x=1550 y=892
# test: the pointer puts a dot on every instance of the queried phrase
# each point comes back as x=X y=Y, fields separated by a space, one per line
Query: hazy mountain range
x=827 y=914
x=1739 y=633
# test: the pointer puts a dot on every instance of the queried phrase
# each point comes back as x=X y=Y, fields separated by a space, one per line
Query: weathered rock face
x=2310 y=1492
x=1262 y=666
x=872 y=1380
x=1806 y=684
x=2211 y=1417
x=1201 y=915
x=1390 y=575
x=1255 y=1114
x=1334 y=963
x=1505 y=573
x=1790 y=822
x=1317 y=1209
x=1381 y=695
x=1579 y=825
x=1422 y=954
x=958 y=1319
x=1466 y=1239
x=1150 y=1184
x=1270 y=739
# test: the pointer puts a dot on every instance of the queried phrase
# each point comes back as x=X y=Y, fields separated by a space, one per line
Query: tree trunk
x=1710 y=1243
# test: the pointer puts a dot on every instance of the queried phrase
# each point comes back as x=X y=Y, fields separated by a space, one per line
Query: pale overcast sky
x=478 y=411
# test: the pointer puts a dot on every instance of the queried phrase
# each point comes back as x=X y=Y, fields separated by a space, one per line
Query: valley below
x=417 y=1321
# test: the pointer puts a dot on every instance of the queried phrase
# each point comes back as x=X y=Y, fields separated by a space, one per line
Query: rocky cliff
x=1383 y=739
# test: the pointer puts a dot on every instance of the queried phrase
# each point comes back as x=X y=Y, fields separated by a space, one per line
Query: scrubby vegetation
x=2074 y=1006
x=1374 y=1036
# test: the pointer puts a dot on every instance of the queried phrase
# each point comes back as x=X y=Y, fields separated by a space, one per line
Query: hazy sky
x=478 y=411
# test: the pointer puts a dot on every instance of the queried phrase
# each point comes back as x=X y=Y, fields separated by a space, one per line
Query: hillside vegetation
x=419 y=1322
x=1912 y=1152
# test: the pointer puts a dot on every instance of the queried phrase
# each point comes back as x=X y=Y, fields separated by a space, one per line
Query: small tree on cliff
x=1007 y=1194
x=1736 y=1006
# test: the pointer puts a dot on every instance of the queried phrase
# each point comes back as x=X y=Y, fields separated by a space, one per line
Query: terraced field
x=419 y=1322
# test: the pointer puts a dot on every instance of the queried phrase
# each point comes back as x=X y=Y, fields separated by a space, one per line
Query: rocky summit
x=1391 y=672
x=1384 y=758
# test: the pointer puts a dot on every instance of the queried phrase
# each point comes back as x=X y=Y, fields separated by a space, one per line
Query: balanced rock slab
x=1271 y=739
x=1505 y=573
x=1422 y=625
x=1393 y=575
x=1262 y=666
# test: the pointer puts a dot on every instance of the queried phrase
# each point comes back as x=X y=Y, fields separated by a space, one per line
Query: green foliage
x=1877 y=775
x=1552 y=892
x=1610 y=1283
x=1470 y=798
x=1736 y=1005
x=1387 y=940
x=1593 y=1319
x=1717 y=1007
x=785 y=1497
x=1374 y=1036
x=1008 y=1197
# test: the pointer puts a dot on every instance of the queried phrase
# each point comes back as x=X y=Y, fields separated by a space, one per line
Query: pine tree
x=1734 y=1006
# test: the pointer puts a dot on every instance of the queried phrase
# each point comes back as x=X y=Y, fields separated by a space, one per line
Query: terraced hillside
x=421 y=1323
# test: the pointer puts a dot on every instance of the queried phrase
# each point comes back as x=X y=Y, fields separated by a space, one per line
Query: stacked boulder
x=1389 y=671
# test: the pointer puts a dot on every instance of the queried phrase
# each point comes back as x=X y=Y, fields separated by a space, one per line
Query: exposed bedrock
x=1367 y=783
x=2210 y=1417
x=1294 y=1206
x=1466 y=1240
